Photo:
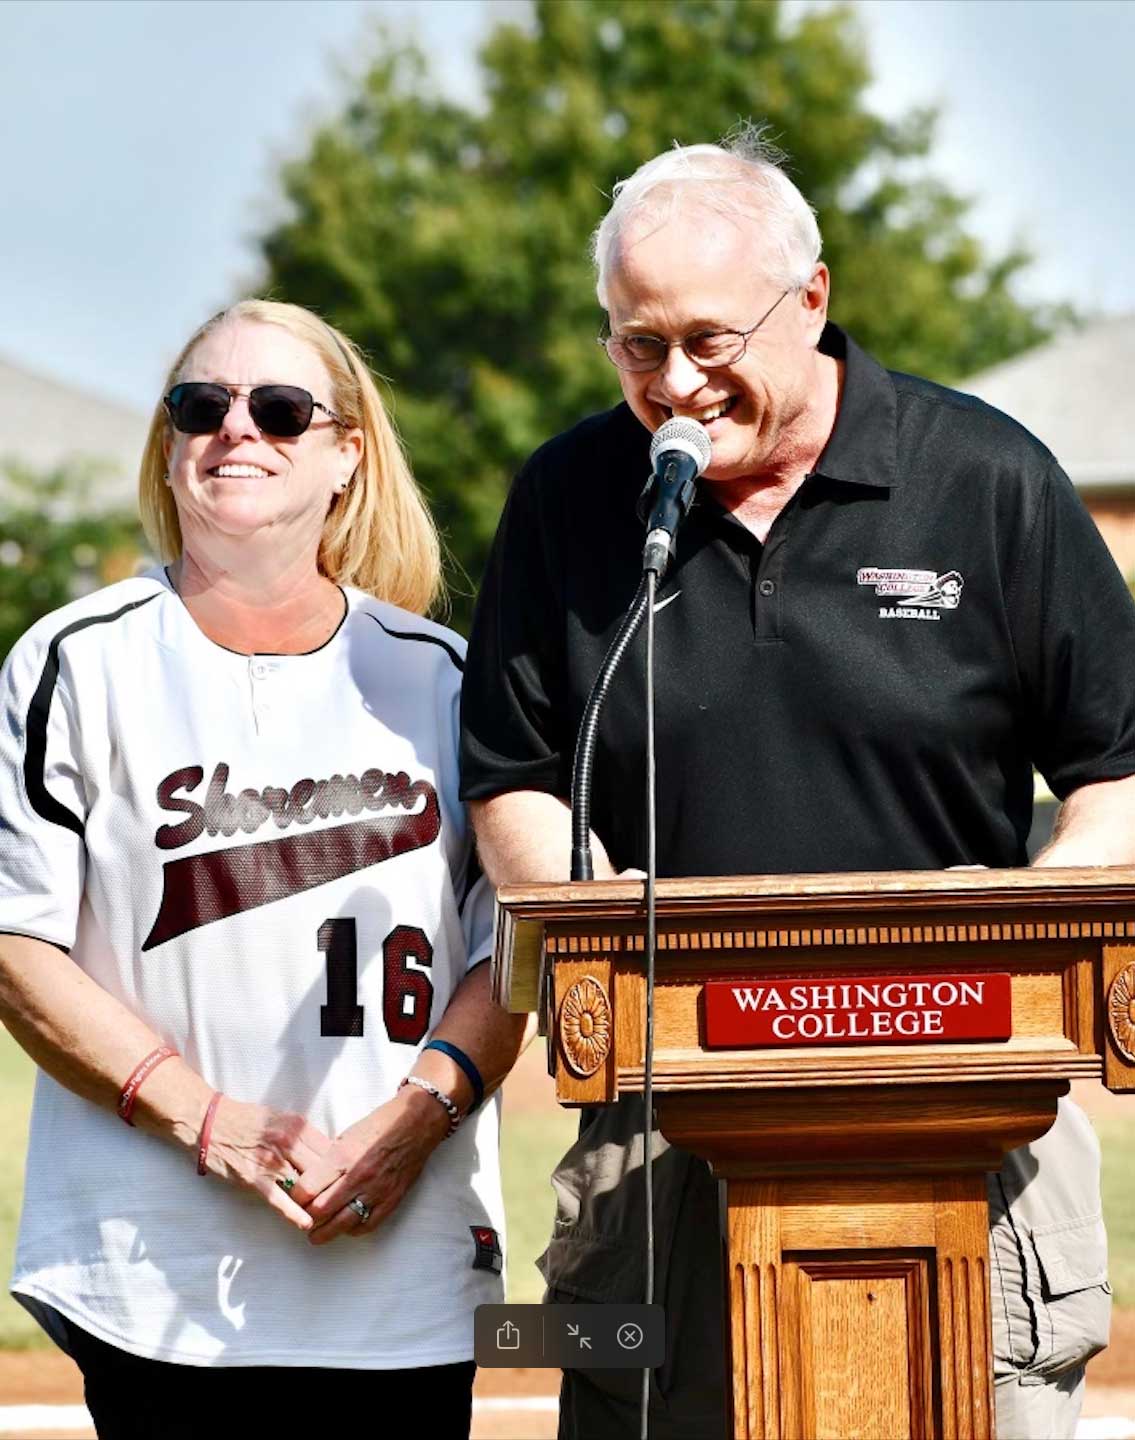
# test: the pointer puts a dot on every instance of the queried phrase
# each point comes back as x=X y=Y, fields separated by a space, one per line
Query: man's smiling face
x=702 y=271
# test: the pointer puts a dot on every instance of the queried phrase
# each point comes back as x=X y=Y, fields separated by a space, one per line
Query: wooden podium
x=854 y=1169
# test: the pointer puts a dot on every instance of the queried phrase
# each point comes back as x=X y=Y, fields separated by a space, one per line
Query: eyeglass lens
x=198 y=408
x=707 y=348
x=647 y=352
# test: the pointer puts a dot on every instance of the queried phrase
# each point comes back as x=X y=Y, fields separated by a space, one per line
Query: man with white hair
x=885 y=605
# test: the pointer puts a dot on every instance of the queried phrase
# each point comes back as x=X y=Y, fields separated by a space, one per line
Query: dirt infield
x=529 y=1088
x=45 y=1377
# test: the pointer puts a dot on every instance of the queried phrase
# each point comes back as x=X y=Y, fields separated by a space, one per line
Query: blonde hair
x=378 y=536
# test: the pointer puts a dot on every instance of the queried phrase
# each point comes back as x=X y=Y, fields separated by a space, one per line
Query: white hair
x=741 y=177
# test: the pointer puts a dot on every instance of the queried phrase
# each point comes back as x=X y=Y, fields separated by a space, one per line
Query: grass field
x=1117 y=1137
x=532 y=1144
x=533 y=1140
x=17 y=1330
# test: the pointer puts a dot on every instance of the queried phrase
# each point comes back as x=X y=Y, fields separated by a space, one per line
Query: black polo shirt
x=932 y=613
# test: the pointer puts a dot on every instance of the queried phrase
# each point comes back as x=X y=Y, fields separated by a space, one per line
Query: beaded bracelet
x=450 y=1105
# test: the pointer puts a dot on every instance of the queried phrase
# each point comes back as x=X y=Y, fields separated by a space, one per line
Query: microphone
x=679 y=453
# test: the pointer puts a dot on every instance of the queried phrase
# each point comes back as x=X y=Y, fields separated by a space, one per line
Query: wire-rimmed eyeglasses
x=708 y=349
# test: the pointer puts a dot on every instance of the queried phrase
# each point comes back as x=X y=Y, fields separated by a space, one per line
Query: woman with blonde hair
x=240 y=911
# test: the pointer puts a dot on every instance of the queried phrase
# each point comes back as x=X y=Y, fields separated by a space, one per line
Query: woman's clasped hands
x=327 y=1187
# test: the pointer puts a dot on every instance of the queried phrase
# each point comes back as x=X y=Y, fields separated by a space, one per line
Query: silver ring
x=360 y=1207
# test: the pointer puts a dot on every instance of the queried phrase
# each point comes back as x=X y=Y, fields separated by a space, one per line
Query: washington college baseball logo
x=199 y=889
x=917 y=594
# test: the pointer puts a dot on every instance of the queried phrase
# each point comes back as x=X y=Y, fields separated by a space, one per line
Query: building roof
x=45 y=424
x=1074 y=393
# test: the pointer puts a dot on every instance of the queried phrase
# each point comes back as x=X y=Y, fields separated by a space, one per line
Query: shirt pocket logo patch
x=914 y=594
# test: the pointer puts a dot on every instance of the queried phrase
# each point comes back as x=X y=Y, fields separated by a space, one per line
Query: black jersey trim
x=35 y=754
x=429 y=639
x=266 y=654
x=473 y=873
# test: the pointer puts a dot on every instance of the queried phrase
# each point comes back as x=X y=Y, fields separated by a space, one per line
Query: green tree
x=451 y=242
x=55 y=546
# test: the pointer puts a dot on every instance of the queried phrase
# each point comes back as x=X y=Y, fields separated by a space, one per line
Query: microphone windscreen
x=681 y=433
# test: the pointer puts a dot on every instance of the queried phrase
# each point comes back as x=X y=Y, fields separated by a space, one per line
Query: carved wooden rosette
x=1121 y=1012
x=585 y=1026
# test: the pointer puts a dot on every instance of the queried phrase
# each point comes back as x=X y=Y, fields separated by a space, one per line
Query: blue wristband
x=459 y=1057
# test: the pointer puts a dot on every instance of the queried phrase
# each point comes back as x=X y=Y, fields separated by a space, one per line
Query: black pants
x=135 y=1399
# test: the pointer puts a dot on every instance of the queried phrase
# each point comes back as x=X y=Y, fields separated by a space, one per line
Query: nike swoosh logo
x=201 y=889
x=662 y=604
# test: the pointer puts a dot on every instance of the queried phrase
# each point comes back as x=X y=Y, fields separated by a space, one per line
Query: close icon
x=629 y=1336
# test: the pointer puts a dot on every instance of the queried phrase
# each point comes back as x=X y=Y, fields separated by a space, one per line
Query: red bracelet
x=206 y=1133
x=138 y=1075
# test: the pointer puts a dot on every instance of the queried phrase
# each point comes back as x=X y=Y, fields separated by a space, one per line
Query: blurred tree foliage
x=451 y=243
x=55 y=546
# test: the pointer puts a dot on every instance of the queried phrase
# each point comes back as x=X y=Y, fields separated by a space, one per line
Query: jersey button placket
x=260 y=674
x=769 y=587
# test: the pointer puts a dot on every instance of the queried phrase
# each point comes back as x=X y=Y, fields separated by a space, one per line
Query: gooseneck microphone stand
x=679 y=452
x=641 y=606
x=583 y=765
x=651 y=578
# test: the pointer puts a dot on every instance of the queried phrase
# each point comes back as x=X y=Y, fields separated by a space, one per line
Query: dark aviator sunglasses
x=197 y=407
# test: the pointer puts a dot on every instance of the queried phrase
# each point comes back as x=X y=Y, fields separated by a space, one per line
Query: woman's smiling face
x=240 y=479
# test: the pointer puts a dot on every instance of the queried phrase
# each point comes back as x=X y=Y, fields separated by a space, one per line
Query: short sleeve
x=514 y=693
x=1073 y=623
x=477 y=918
x=473 y=892
x=42 y=797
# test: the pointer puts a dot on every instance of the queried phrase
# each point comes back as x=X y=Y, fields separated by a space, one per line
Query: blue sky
x=143 y=136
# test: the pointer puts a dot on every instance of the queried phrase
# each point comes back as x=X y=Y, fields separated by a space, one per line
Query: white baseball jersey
x=264 y=856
